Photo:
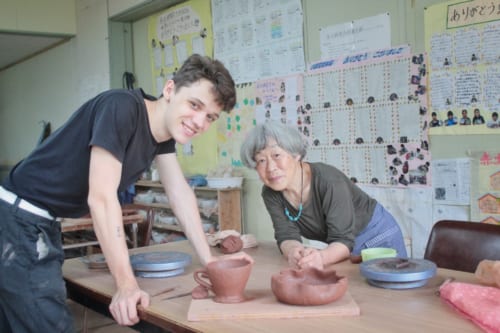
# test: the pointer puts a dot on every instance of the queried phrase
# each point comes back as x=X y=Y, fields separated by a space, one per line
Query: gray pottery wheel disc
x=397 y=273
x=159 y=274
x=159 y=261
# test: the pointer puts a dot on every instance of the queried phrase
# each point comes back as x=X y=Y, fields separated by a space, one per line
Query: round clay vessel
x=231 y=244
x=309 y=286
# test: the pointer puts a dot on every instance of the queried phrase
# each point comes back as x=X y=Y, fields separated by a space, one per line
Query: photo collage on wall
x=281 y=99
x=465 y=79
x=369 y=120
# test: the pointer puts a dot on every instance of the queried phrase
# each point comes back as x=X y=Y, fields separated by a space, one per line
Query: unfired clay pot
x=227 y=279
x=231 y=244
x=308 y=286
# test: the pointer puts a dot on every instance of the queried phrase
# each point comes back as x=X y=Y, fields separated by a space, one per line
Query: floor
x=96 y=323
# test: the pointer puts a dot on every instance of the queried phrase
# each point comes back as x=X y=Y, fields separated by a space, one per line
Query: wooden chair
x=461 y=245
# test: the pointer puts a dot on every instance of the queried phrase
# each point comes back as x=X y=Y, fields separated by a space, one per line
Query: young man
x=101 y=150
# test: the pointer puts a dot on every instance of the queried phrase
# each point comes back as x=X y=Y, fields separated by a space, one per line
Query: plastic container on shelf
x=224 y=182
x=208 y=227
x=161 y=198
x=166 y=219
x=207 y=203
x=144 y=197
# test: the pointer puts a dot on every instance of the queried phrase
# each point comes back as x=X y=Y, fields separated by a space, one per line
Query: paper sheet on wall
x=376 y=126
x=368 y=33
x=281 y=99
x=259 y=39
x=233 y=127
x=176 y=33
x=485 y=191
x=450 y=212
x=451 y=181
x=464 y=69
x=173 y=35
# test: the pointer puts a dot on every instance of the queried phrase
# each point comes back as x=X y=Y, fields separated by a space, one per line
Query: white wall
x=53 y=84
x=406 y=28
x=142 y=62
x=44 y=17
x=50 y=86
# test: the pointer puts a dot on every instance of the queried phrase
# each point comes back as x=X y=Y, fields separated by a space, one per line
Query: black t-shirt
x=55 y=175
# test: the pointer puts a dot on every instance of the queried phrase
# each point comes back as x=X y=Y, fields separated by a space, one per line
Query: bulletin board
x=364 y=113
x=174 y=34
x=259 y=39
x=462 y=41
x=368 y=115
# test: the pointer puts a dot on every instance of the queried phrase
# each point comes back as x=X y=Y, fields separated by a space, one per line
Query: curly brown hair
x=198 y=67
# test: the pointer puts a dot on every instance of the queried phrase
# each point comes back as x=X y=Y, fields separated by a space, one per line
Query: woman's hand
x=294 y=256
x=333 y=253
x=311 y=257
x=292 y=251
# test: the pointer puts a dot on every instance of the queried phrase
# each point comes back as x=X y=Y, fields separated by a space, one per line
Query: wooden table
x=382 y=310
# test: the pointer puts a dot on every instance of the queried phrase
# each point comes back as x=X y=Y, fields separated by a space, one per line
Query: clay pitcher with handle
x=226 y=278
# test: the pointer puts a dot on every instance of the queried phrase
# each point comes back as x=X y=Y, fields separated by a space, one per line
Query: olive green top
x=337 y=210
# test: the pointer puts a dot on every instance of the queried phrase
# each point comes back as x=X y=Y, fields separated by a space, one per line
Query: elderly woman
x=315 y=201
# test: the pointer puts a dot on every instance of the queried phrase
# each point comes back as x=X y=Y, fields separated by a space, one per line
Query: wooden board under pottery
x=262 y=304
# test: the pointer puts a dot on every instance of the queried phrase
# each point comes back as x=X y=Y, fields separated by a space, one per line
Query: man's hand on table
x=123 y=306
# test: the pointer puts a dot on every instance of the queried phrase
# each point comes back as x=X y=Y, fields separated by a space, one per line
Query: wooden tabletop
x=381 y=310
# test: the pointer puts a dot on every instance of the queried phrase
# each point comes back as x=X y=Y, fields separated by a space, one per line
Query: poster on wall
x=232 y=127
x=281 y=99
x=368 y=116
x=369 y=33
x=259 y=39
x=451 y=181
x=485 y=191
x=175 y=34
x=464 y=69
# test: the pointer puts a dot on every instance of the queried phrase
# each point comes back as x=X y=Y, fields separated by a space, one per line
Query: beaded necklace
x=287 y=212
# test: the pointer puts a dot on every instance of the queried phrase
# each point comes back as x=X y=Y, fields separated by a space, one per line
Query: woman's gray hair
x=287 y=137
